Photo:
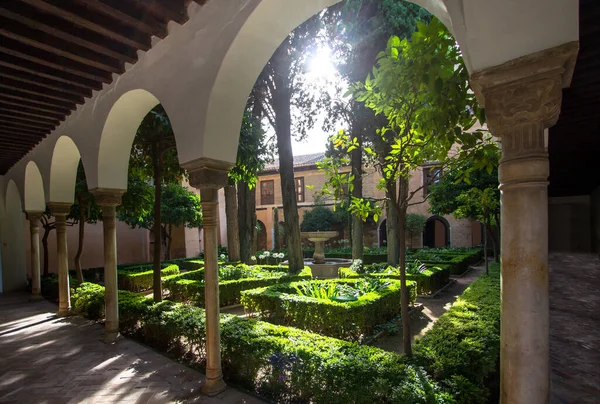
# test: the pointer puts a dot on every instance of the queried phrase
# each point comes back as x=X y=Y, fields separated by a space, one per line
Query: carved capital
x=527 y=90
x=59 y=208
x=210 y=207
x=208 y=173
x=34 y=217
x=107 y=197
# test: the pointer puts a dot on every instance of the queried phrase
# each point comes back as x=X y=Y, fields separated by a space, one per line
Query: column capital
x=208 y=173
x=107 y=196
x=526 y=90
x=33 y=215
x=60 y=208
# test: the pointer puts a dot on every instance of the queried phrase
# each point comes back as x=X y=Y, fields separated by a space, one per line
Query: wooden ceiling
x=574 y=142
x=53 y=53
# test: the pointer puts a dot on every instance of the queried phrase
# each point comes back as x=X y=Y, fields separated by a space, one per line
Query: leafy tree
x=286 y=97
x=251 y=158
x=421 y=88
x=319 y=218
x=180 y=207
x=415 y=222
x=154 y=156
x=84 y=210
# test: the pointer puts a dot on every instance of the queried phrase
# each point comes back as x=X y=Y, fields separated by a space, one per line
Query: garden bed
x=135 y=280
x=312 y=306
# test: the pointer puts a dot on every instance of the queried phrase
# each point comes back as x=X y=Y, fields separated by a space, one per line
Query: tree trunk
x=485 y=248
x=286 y=173
x=233 y=233
x=276 y=235
x=495 y=247
x=401 y=211
x=82 y=220
x=246 y=220
x=45 y=247
x=169 y=240
x=357 y=192
x=393 y=253
x=157 y=158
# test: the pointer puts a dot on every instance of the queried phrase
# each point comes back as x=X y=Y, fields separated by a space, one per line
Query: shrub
x=188 y=290
x=49 y=286
x=281 y=304
x=282 y=364
x=462 y=350
x=319 y=218
x=138 y=281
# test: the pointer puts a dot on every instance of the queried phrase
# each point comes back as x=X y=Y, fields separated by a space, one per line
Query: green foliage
x=136 y=281
x=49 y=286
x=252 y=152
x=92 y=211
x=281 y=364
x=352 y=320
x=415 y=222
x=319 y=218
x=462 y=350
x=180 y=206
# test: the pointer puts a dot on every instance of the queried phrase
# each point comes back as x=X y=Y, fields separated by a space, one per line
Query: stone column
x=34 y=232
x=209 y=175
x=60 y=211
x=109 y=199
x=522 y=98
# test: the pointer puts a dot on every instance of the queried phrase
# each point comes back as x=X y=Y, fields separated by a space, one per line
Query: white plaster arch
x=117 y=136
x=34 y=189
x=63 y=170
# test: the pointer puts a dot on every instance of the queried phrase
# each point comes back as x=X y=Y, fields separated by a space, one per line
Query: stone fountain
x=321 y=267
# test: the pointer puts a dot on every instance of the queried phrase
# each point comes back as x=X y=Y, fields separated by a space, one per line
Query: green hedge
x=280 y=304
x=282 y=364
x=190 y=290
x=138 y=281
x=432 y=279
x=462 y=350
x=49 y=286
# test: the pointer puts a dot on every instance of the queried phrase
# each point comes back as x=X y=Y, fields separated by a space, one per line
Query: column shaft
x=525 y=355
x=34 y=230
x=214 y=375
x=64 y=298
x=111 y=295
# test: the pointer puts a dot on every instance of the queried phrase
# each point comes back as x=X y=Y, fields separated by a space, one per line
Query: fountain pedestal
x=322 y=268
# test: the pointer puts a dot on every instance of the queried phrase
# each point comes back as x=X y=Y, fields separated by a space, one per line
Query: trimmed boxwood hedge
x=432 y=279
x=135 y=281
x=192 y=290
x=462 y=350
x=282 y=364
x=280 y=304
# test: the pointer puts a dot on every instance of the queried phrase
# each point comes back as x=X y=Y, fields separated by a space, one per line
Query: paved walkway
x=45 y=359
x=575 y=328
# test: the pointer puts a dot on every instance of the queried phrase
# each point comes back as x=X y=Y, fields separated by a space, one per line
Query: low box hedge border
x=139 y=281
x=281 y=364
x=192 y=290
x=435 y=277
x=280 y=304
x=462 y=350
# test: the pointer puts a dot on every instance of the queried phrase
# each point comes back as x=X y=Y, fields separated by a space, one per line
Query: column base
x=64 y=312
x=36 y=297
x=111 y=337
x=213 y=387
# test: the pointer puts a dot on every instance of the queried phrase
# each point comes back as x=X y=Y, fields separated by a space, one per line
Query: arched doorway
x=437 y=233
x=382 y=233
x=261 y=236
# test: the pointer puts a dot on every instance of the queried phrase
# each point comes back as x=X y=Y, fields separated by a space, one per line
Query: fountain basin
x=328 y=269
x=319 y=237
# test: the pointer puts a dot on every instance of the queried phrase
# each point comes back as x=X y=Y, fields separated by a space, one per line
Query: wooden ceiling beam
x=47 y=43
x=16 y=139
x=11 y=75
x=67 y=32
x=52 y=74
x=26 y=126
x=131 y=16
x=41 y=93
x=49 y=60
x=20 y=133
x=14 y=103
x=37 y=100
x=9 y=107
x=24 y=115
x=82 y=17
x=173 y=10
x=19 y=118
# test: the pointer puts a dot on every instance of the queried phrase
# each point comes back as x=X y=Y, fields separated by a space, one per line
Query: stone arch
x=34 y=199
x=14 y=275
x=262 y=32
x=117 y=136
x=382 y=233
x=437 y=232
x=63 y=170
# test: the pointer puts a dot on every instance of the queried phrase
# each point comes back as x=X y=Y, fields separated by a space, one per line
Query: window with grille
x=431 y=175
